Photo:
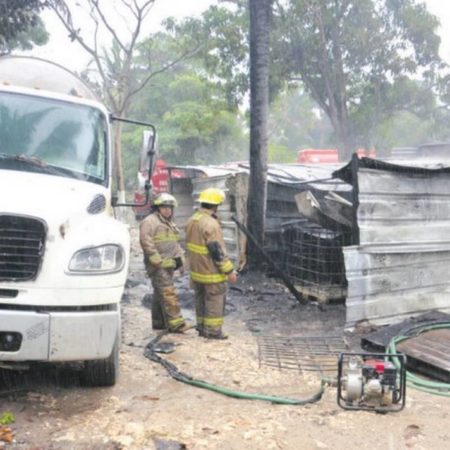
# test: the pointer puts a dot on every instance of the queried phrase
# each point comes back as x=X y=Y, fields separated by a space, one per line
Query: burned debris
x=371 y=233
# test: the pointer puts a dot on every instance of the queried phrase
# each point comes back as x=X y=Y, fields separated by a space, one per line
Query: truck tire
x=104 y=372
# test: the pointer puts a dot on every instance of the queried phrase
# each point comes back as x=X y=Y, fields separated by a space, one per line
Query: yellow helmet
x=212 y=196
x=165 y=199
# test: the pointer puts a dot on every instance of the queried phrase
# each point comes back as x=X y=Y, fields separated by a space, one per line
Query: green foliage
x=295 y=121
x=351 y=58
x=337 y=67
x=405 y=129
x=194 y=120
x=281 y=154
x=223 y=31
x=402 y=95
x=7 y=418
x=198 y=127
x=357 y=59
x=20 y=25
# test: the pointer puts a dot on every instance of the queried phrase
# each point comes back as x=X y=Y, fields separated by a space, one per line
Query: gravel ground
x=147 y=409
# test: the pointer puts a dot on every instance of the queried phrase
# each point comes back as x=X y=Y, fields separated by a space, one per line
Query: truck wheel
x=104 y=372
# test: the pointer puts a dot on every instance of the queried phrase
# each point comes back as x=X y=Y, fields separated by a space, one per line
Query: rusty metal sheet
x=429 y=353
x=378 y=341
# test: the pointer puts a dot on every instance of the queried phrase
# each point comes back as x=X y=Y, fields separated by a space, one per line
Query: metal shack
x=373 y=233
x=296 y=243
x=398 y=266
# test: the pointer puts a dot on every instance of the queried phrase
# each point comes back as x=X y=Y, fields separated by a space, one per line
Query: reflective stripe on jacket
x=159 y=239
x=203 y=228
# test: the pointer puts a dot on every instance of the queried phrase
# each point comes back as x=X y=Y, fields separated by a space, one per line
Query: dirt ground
x=148 y=409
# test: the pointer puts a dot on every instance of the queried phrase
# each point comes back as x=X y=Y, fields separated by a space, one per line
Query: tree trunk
x=260 y=15
x=344 y=140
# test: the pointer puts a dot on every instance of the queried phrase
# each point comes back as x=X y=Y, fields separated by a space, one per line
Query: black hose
x=173 y=371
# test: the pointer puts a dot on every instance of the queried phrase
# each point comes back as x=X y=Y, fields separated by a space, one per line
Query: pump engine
x=371 y=381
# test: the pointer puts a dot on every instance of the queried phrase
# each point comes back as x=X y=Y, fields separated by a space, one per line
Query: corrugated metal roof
x=319 y=176
x=400 y=268
x=211 y=171
x=316 y=176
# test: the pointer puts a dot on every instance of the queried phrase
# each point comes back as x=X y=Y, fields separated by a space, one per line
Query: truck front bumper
x=57 y=336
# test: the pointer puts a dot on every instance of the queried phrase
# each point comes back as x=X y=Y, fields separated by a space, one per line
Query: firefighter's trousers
x=209 y=307
x=166 y=312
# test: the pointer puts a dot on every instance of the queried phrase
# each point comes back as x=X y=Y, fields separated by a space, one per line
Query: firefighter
x=159 y=238
x=209 y=264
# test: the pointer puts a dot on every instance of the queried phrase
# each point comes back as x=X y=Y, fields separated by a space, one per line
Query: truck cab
x=63 y=255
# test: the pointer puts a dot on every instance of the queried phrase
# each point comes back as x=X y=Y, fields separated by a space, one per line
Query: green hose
x=185 y=378
x=247 y=396
x=414 y=381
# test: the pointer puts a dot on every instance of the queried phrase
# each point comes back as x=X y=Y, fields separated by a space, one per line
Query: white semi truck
x=63 y=255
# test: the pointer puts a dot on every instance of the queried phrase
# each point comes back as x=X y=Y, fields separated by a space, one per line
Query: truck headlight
x=103 y=259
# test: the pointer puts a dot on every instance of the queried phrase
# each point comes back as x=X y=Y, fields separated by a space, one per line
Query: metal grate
x=22 y=241
x=97 y=205
x=301 y=353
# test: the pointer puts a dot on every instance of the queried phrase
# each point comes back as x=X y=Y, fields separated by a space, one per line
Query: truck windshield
x=49 y=136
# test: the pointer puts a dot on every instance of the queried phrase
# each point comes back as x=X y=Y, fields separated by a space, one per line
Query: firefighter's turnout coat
x=209 y=269
x=159 y=238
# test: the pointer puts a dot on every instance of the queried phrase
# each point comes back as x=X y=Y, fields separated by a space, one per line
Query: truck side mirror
x=147 y=157
x=147 y=160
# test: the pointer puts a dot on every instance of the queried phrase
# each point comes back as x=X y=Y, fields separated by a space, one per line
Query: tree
x=349 y=53
x=227 y=48
x=260 y=21
x=121 y=79
x=198 y=127
x=296 y=122
x=402 y=96
x=196 y=124
x=20 y=25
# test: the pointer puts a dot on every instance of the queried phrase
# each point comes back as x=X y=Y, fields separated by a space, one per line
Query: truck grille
x=22 y=242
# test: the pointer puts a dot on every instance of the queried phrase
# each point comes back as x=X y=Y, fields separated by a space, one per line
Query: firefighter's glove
x=178 y=262
x=168 y=263
x=155 y=260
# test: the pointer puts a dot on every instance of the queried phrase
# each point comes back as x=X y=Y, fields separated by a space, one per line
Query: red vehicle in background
x=327 y=155
x=160 y=183
x=318 y=156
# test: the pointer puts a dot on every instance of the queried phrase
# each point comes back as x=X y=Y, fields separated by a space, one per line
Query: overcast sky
x=441 y=9
x=71 y=55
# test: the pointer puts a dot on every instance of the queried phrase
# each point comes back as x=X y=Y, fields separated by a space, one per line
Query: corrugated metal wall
x=400 y=268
